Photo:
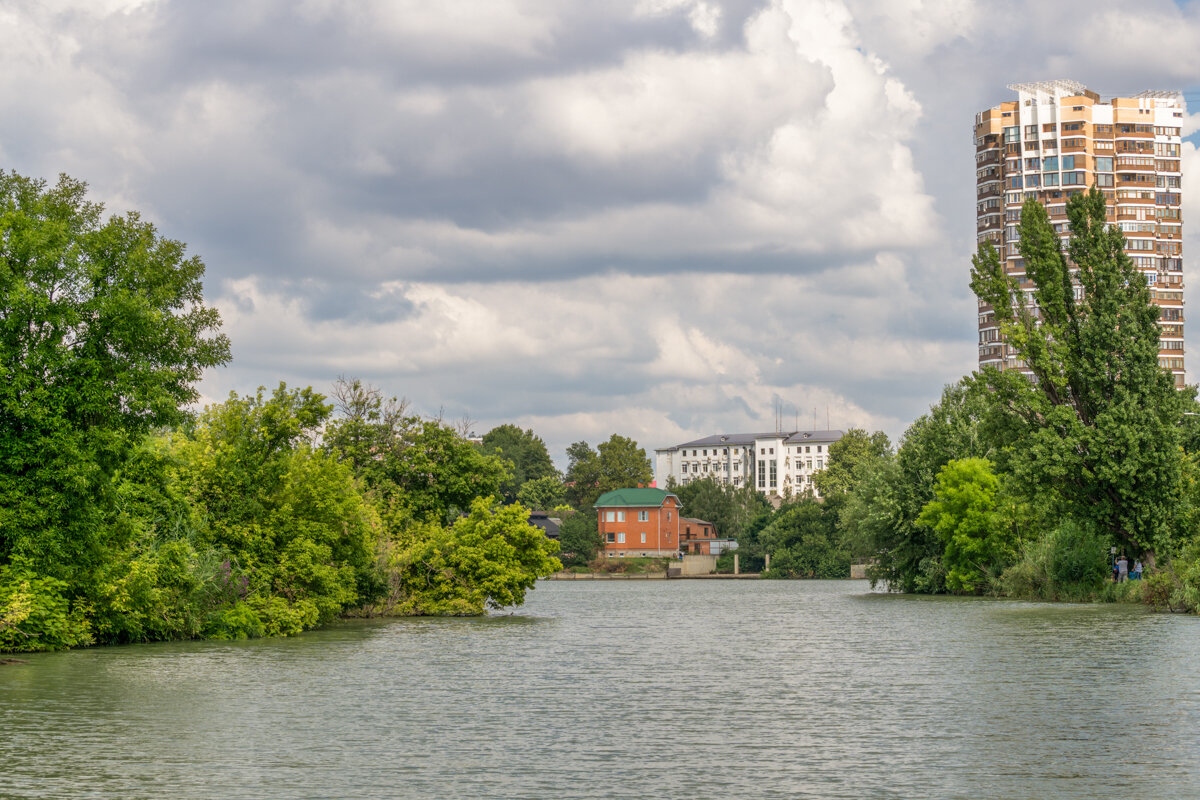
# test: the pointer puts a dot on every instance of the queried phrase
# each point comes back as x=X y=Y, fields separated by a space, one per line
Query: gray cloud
x=653 y=216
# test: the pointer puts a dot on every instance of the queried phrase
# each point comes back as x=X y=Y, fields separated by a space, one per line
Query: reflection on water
x=677 y=689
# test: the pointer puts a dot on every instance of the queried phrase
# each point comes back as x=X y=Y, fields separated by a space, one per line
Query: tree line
x=126 y=518
x=1028 y=482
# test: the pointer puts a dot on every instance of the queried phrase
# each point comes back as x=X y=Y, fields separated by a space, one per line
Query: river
x=638 y=689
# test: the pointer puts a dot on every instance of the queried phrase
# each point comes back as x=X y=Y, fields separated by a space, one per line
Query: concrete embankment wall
x=605 y=576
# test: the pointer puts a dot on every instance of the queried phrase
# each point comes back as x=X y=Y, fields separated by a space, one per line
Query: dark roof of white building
x=741 y=439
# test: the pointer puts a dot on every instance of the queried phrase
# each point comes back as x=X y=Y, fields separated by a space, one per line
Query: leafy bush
x=35 y=613
x=1069 y=563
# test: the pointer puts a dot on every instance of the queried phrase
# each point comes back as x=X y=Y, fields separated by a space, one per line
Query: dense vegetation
x=1010 y=486
x=1031 y=488
x=123 y=518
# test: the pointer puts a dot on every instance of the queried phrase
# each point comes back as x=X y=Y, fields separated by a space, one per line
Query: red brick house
x=639 y=522
x=696 y=535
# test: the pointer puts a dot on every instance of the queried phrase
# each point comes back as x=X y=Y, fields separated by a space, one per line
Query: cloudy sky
x=652 y=217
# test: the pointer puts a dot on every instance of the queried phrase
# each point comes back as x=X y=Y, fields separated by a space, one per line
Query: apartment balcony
x=991 y=190
x=989 y=224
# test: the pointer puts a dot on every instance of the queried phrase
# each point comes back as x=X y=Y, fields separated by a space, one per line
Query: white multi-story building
x=779 y=464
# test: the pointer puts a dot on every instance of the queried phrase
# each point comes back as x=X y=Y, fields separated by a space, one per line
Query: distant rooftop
x=633 y=497
x=742 y=439
x=1066 y=88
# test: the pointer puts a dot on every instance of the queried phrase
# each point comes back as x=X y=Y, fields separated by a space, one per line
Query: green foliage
x=730 y=509
x=579 y=538
x=1102 y=420
x=290 y=515
x=103 y=333
x=908 y=555
x=35 y=613
x=616 y=464
x=965 y=513
x=849 y=459
x=542 y=494
x=804 y=541
x=528 y=454
x=487 y=559
x=1069 y=563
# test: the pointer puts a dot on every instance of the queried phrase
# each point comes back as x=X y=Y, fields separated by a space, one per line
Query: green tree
x=290 y=515
x=908 y=555
x=730 y=509
x=579 y=538
x=849 y=457
x=487 y=559
x=367 y=425
x=103 y=334
x=527 y=452
x=1102 y=418
x=616 y=464
x=804 y=541
x=542 y=494
x=966 y=514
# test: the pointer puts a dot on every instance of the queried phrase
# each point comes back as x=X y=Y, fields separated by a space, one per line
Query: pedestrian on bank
x=1116 y=574
x=1122 y=568
x=1137 y=570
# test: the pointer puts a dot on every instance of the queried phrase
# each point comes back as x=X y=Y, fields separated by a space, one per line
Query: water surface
x=681 y=689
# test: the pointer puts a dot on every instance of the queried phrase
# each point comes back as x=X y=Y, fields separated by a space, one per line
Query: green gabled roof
x=634 y=497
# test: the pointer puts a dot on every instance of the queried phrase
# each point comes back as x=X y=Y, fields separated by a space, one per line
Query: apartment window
x=1050 y=163
x=1068 y=162
x=818 y=448
x=820 y=464
x=808 y=463
x=773 y=474
x=1104 y=180
x=1011 y=134
x=772 y=449
x=1031 y=181
x=610 y=516
x=683 y=467
x=621 y=537
x=644 y=516
x=762 y=474
x=1050 y=179
x=1104 y=164
x=1015 y=182
x=620 y=516
x=643 y=537
x=808 y=449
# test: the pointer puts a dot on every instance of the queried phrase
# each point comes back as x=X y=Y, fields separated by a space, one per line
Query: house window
x=610 y=537
x=621 y=537
x=643 y=537
x=610 y=516
x=683 y=468
x=644 y=516
x=620 y=516
x=668 y=516
x=818 y=448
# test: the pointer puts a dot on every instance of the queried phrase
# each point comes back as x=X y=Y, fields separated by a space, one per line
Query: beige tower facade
x=1059 y=138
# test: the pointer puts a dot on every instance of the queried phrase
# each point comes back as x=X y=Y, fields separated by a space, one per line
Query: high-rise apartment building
x=1059 y=138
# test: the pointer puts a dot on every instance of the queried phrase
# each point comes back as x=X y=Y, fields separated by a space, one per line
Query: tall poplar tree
x=1101 y=416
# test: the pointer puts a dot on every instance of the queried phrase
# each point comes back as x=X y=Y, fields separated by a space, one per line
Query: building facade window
x=621 y=537
x=643 y=516
x=610 y=516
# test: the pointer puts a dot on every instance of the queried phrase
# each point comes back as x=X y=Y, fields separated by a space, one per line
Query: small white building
x=780 y=465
